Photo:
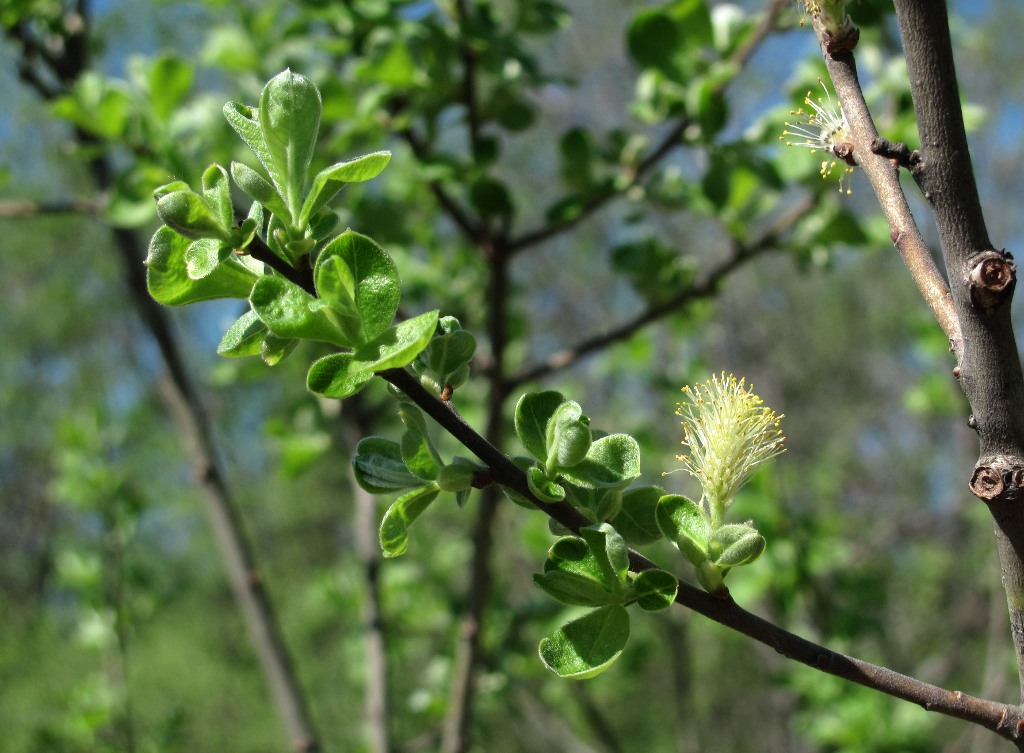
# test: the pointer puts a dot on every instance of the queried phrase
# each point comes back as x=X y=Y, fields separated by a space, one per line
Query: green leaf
x=655 y=589
x=735 y=544
x=652 y=40
x=332 y=179
x=394 y=529
x=336 y=288
x=460 y=474
x=169 y=79
x=611 y=553
x=374 y=281
x=524 y=464
x=683 y=523
x=335 y=376
x=418 y=452
x=274 y=349
x=533 y=412
x=246 y=124
x=572 y=554
x=290 y=119
x=217 y=195
x=573 y=576
x=189 y=215
x=342 y=374
x=567 y=437
x=244 y=337
x=587 y=646
x=397 y=346
x=575 y=590
x=577 y=151
x=379 y=468
x=543 y=488
x=290 y=312
x=490 y=197
x=204 y=255
x=613 y=461
x=599 y=505
x=168 y=281
x=637 y=517
x=259 y=189
x=447 y=353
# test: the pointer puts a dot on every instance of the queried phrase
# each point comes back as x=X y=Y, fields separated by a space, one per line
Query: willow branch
x=883 y=173
x=668 y=143
x=706 y=287
x=1003 y=719
x=982 y=281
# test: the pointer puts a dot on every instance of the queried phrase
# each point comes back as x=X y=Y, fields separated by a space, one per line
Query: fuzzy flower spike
x=823 y=127
x=729 y=432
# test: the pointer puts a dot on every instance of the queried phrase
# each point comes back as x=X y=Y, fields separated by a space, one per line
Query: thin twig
x=883 y=173
x=19 y=208
x=705 y=287
x=1003 y=719
x=672 y=139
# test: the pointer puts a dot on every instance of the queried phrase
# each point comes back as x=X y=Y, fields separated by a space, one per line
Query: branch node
x=898 y=152
x=843 y=42
x=991 y=279
x=998 y=480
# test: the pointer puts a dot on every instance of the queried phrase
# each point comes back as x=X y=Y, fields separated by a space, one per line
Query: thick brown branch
x=981 y=282
x=1003 y=719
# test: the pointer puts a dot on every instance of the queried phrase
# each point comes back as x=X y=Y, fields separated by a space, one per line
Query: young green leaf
x=336 y=288
x=533 y=412
x=245 y=121
x=575 y=590
x=259 y=189
x=189 y=215
x=542 y=487
x=372 y=280
x=655 y=589
x=289 y=117
x=217 y=194
x=567 y=438
x=244 y=337
x=610 y=552
x=379 y=468
x=418 y=452
x=169 y=283
x=397 y=346
x=683 y=523
x=332 y=179
x=587 y=646
x=637 y=517
x=735 y=544
x=336 y=376
x=205 y=255
x=288 y=312
x=275 y=349
x=460 y=474
x=394 y=528
x=612 y=461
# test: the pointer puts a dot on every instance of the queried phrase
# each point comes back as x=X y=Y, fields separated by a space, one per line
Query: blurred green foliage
x=118 y=630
